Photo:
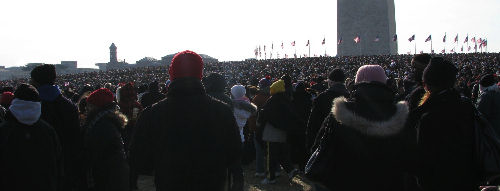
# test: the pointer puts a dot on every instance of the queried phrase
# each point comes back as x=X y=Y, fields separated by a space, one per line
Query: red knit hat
x=7 y=98
x=186 y=64
x=100 y=97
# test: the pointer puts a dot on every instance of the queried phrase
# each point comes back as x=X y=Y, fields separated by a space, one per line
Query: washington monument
x=373 y=21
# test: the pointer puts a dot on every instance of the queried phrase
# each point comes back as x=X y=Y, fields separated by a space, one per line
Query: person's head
x=439 y=75
x=26 y=106
x=186 y=64
x=336 y=76
x=238 y=92
x=370 y=73
x=6 y=98
x=43 y=75
x=488 y=81
x=128 y=93
x=215 y=83
x=418 y=64
x=277 y=87
x=99 y=99
x=264 y=83
x=154 y=87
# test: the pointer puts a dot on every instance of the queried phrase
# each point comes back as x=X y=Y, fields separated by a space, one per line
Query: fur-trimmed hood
x=349 y=118
x=244 y=105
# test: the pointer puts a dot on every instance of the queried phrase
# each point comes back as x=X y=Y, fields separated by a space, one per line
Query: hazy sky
x=49 y=31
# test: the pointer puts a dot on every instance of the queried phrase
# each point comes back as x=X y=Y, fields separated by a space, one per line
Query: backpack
x=487 y=149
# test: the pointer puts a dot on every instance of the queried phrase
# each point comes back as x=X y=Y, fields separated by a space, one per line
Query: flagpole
x=431 y=45
x=415 y=46
x=309 y=50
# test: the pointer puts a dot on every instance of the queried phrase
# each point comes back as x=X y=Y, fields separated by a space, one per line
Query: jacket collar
x=387 y=127
x=186 y=87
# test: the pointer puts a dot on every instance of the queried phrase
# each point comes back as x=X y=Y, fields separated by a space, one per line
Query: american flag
x=473 y=39
x=395 y=37
x=443 y=51
x=340 y=41
x=357 y=39
x=412 y=38
x=444 y=37
x=462 y=49
x=428 y=38
x=282 y=45
x=322 y=43
x=293 y=43
x=466 y=39
x=456 y=39
x=479 y=40
x=264 y=48
x=468 y=49
x=307 y=43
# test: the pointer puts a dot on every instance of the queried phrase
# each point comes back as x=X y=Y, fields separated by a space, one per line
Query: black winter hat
x=44 y=74
x=337 y=75
x=27 y=92
x=488 y=80
x=214 y=83
x=440 y=73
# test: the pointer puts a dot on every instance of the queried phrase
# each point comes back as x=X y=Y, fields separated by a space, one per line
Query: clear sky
x=50 y=31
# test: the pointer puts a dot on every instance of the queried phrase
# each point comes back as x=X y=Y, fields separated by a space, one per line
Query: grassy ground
x=252 y=183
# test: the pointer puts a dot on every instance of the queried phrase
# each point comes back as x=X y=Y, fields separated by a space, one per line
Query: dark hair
x=422 y=59
x=44 y=74
x=337 y=75
x=27 y=92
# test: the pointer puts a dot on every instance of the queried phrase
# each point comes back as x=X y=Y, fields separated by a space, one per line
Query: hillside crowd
x=390 y=122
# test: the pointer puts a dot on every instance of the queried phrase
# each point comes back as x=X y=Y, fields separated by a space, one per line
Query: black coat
x=414 y=97
x=188 y=139
x=321 y=107
x=63 y=115
x=279 y=112
x=150 y=98
x=370 y=144
x=489 y=105
x=446 y=143
x=106 y=163
x=30 y=156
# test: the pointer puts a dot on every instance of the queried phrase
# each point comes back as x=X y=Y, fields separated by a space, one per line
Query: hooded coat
x=30 y=156
x=242 y=111
x=369 y=142
x=62 y=114
x=189 y=139
x=106 y=161
x=446 y=143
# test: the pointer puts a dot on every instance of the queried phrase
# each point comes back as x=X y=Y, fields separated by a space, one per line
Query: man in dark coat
x=61 y=114
x=152 y=96
x=30 y=153
x=188 y=139
x=489 y=101
x=106 y=162
x=322 y=104
x=445 y=132
x=418 y=64
x=302 y=101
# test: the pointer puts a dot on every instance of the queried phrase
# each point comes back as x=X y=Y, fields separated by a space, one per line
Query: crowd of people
x=393 y=122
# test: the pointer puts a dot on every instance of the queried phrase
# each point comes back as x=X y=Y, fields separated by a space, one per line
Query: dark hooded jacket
x=446 y=143
x=63 y=115
x=489 y=105
x=321 y=107
x=370 y=146
x=188 y=139
x=30 y=156
x=106 y=163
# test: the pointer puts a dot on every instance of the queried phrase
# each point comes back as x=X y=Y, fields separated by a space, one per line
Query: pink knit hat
x=368 y=73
